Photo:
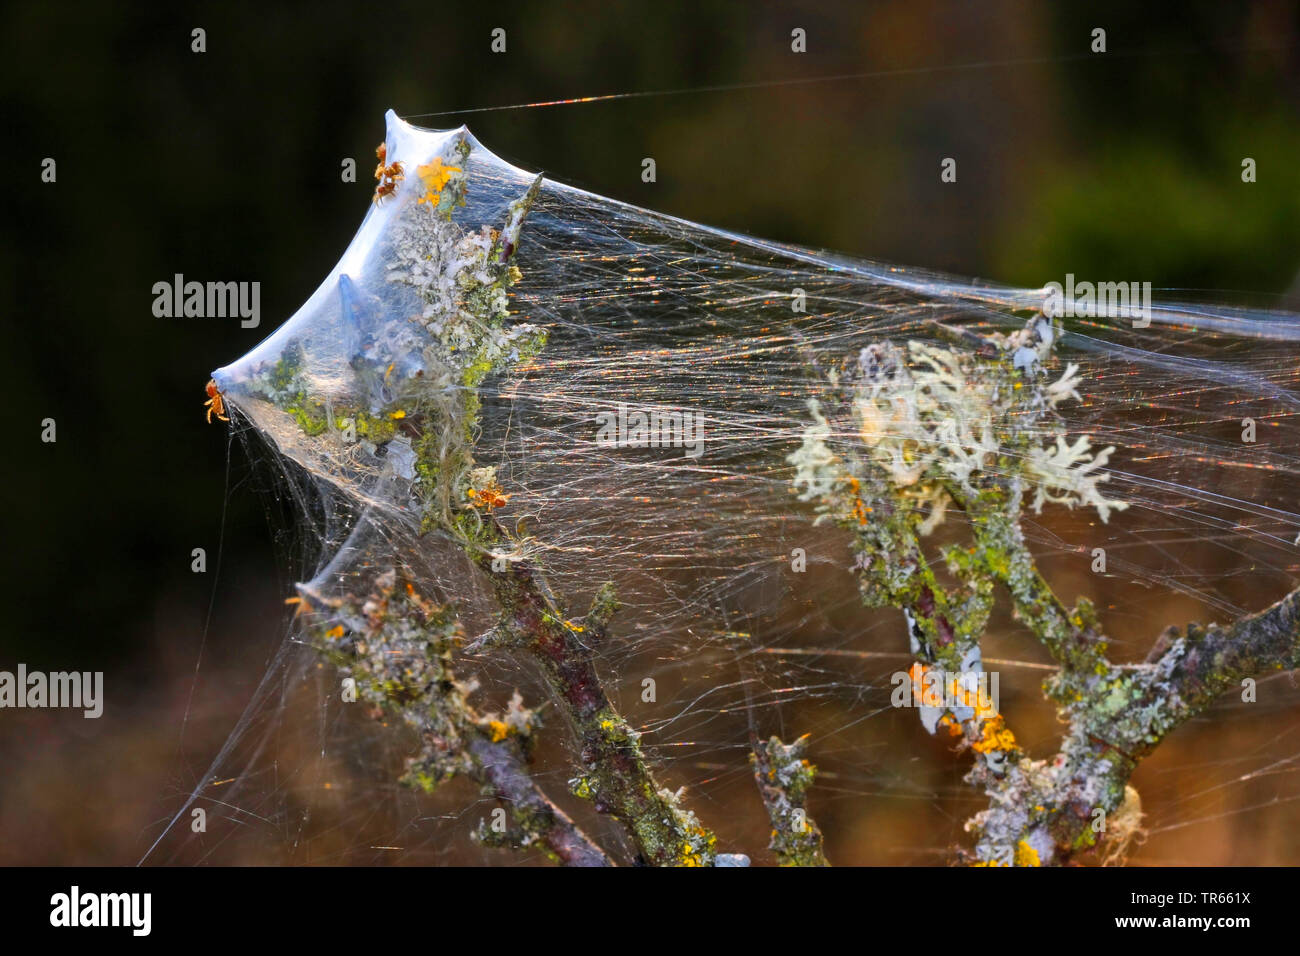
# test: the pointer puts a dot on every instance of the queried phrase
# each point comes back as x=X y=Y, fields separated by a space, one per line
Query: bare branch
x=397 y=647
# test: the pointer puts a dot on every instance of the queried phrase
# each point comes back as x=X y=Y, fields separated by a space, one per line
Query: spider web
x=656 y=314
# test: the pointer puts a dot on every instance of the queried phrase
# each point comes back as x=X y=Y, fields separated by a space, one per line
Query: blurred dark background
x=225 y=165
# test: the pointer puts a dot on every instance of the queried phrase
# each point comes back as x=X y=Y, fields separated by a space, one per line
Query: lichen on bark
x=400 y=648
x=784 y=776
x=971 y=426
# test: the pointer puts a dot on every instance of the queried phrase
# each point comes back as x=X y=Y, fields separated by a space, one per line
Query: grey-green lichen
x=462 y=280
x=417 y=378
x=615 y=775
x=784 y=776
x=972 y=425
x=397 y=647
x=414 y=404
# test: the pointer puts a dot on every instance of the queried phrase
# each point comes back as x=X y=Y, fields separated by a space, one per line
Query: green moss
x=310 y=416
x=285 y=371
x=375 y=428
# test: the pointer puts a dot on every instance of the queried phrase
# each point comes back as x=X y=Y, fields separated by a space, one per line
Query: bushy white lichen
x=933 y=420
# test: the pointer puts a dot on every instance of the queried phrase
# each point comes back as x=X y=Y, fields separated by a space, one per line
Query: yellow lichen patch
x=931 y=696
x=975 y=698
x=960 y=694
x=397 y=414
x=1026 y=855
x=434 y=175
x=696 y=853
x=994 y=736
x=498 y=731
x=954 y=728
x=335 y=632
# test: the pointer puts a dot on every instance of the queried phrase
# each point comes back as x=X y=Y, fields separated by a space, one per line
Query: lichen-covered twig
x=397 y=648
x=432 y=387
x=616 y=777
x=407 y=417
x=973 y=427
x=783 y=776
x=1118 y=715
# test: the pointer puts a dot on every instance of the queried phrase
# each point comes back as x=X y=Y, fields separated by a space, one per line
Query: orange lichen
x=435 y=176
x=994 y=736
x=954 y=728
x=860 y=508
x=975 y=698
x=860 y=511
x=923 y=696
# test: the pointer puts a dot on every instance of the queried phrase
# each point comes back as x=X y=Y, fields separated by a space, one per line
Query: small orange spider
x=384 y=169
x=216 y=403
x=387 y=174
x=303 y=607
x=488 y=497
